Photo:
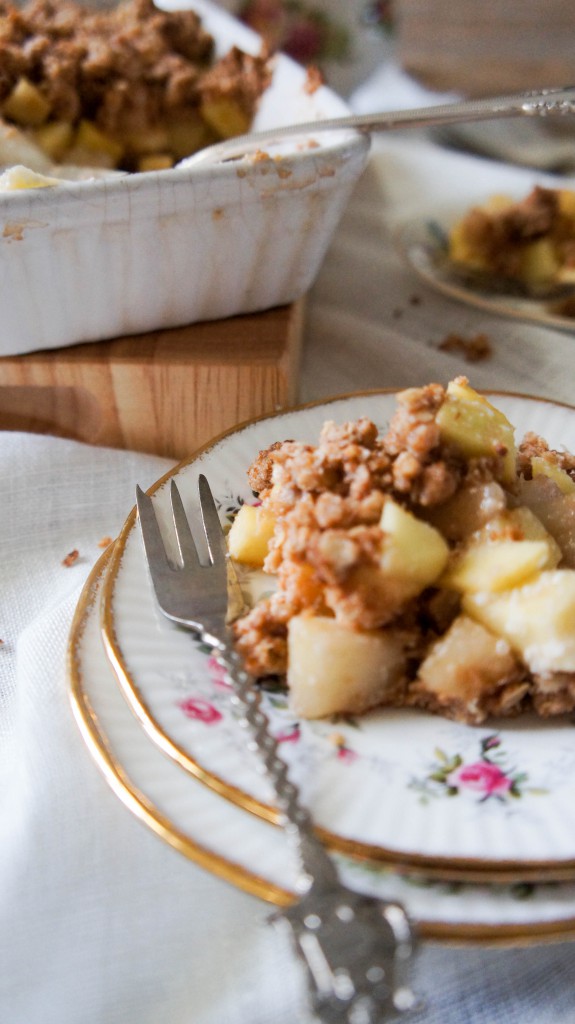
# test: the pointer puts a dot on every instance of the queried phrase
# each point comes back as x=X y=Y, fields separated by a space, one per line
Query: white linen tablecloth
x=100 y=922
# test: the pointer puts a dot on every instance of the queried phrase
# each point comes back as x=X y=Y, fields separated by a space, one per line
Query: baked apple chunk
x=365 y=668
x=469 y=670
x=431 y=566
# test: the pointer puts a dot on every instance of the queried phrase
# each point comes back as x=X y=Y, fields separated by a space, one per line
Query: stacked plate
x=473 y=828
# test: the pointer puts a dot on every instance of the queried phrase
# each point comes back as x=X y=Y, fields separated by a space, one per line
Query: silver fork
x=356 y=949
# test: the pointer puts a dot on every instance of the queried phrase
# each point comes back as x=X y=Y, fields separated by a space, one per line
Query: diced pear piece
x=93 y=148
x=468 y=510
x=463 y=249
x=187 y=134
x=539 y=263
x=464 y=245
x=475 y=427
x=555 y=510
x=542 y=467
x=225 y=117
x=250 y=534
x=497 y=203
x=412 y=550
x=155 y=162
x=465 y=664
x=26 y=105
x=537 y=619
x=148 y=141
x=512 y=547
x=496 y=565
x=335 y=670
x=54 y=138
x=521 y=523
x=566 y=198
x=566 y=274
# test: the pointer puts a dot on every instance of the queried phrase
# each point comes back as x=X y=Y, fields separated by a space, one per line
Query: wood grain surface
x=167 y=392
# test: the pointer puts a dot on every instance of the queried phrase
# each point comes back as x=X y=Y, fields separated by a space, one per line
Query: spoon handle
x=535 y=103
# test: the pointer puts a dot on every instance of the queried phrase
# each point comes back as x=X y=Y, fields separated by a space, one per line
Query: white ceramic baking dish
x=84 y=261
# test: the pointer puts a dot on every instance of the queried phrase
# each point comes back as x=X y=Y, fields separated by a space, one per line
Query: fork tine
x=211 y=520
x=151 y=536
x=217 y=547
x=184 y=536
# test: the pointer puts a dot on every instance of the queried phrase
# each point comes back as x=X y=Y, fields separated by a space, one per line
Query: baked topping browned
x=432 y=566
x=474 y=349
x=123 y=86
x=529 y=243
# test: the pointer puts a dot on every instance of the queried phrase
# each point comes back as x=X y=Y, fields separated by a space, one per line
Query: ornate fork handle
x=355 y=949
x=539 y=104
x=298 y=824
x=533 y=103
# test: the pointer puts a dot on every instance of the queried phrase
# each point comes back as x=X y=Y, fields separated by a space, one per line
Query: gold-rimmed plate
x=379 y=786
x=423 y=245
x=251 y=854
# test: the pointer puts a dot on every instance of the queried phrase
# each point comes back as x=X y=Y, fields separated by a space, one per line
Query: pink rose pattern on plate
x=201 y=710
x=488 y=777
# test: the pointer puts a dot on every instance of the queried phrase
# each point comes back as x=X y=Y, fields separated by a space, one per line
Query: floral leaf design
x=489 y=777
x=230 y=505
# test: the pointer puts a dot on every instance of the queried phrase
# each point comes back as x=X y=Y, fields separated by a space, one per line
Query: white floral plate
x=206 y=828
x=402 y=786
x=423 y=244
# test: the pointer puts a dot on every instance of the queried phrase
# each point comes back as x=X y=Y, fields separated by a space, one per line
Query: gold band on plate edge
x=503 y=935
x=459 y=869
x=95 y=739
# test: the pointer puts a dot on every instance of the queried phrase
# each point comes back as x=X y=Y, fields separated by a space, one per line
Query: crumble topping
x=430 y=558
x=530 y=242
x=133 y=87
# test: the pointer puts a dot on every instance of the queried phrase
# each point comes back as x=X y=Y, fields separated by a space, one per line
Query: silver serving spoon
x=530 y=104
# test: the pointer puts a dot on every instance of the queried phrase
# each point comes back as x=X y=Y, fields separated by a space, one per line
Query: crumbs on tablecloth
x=105 y=542
x=413 y=300
x=71 y=557
x=473 y=350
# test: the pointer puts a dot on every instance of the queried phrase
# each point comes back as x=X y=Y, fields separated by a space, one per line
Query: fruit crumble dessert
x=529 y=244
x=432 y=566
x=133 y=88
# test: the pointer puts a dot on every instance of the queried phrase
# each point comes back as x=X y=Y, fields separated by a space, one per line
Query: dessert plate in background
x=382 y=786
x=423 y=244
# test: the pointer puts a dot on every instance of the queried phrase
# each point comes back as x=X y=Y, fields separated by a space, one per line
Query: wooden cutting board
x=167 y=393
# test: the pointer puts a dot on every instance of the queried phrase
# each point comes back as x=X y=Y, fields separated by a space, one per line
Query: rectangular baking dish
x=89 y=260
